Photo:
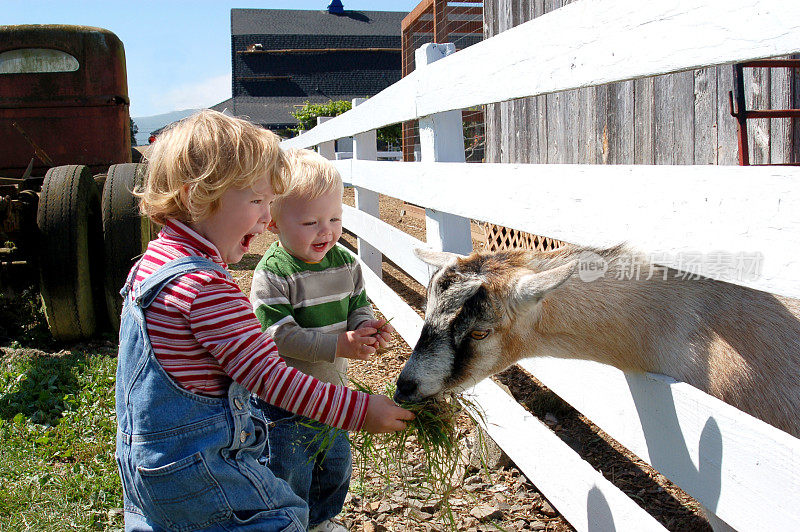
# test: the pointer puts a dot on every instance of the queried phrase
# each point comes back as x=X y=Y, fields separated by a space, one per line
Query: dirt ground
x=500 y=498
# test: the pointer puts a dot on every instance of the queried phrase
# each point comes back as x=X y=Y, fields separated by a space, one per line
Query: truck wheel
x=125 y=232
x=70 y=251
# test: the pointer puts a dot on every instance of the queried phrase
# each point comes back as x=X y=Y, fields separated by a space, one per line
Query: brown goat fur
x=738 y=344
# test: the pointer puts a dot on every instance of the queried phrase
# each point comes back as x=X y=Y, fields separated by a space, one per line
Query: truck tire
x=70 y=251
x=125 y=232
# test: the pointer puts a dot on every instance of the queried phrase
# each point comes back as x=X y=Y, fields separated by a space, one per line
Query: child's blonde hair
x=193 y=163
x=309 y=175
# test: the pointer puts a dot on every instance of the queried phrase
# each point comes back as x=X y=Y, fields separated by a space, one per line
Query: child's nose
x=266 y=215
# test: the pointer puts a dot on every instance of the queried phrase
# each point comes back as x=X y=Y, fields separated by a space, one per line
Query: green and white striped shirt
x=305 y=307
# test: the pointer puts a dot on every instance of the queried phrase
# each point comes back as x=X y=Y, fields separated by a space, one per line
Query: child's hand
x=358 y=344
x=384 y=331
x=385 y=416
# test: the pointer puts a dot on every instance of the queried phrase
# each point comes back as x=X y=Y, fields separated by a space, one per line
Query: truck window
x=32 y=60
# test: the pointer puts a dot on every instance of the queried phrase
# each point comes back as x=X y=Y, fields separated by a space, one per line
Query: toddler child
x=308 y=293
x=191 y=350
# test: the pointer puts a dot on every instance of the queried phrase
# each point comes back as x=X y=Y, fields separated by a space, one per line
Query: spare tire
x=125 y=232
x=70 y=251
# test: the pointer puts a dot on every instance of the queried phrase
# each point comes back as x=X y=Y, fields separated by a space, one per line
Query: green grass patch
x=57 y=435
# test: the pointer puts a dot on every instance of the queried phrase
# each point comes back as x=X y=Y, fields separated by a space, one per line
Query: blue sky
x=177 y=52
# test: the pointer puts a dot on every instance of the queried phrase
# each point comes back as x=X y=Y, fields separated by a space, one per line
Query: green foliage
x=57 y=437
x=307 y=115
x=134 y=131
x=390 y=137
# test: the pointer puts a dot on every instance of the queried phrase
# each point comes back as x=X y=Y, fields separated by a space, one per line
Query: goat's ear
x=437 y=259
x=531 y=288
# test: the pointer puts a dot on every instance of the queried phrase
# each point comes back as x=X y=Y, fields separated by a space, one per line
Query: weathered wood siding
x=681 y=118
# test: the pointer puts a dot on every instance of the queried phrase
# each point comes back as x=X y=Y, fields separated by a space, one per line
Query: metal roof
x=305 y=22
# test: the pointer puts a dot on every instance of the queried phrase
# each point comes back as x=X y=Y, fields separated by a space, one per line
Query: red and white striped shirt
x=204 y=333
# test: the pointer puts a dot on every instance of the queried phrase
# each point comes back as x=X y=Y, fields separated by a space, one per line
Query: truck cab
x=68 y=220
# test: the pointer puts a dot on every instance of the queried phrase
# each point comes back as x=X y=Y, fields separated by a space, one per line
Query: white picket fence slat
x=717 y=453
x=669 y=211
x=405 y=321
x=393 y=243
x=593 y=42
x=585 y=496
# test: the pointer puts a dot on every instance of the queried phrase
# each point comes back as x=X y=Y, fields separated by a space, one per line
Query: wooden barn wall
x=681 y=118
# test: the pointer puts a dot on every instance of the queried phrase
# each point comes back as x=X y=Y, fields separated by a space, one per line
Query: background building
x=283 y=58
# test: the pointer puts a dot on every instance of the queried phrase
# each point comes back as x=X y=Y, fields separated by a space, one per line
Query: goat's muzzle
x=406 y=390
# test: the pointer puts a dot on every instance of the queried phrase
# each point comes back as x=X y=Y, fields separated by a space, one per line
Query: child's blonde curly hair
x=193 y=162
x=309 y=176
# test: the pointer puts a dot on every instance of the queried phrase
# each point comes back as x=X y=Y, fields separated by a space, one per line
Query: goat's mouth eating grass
x=441 y=444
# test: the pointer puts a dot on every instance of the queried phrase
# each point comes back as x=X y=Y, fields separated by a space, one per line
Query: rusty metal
x=742 y=114
x=75 y=117
x=436 y=19
x=773 y=63
x=13 y=217
x=40 y=153
x=17 y=213
x=27 y=173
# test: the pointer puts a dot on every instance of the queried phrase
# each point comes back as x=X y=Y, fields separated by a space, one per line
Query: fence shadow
x=667 y=446
x=620 y=467
x=598 y=513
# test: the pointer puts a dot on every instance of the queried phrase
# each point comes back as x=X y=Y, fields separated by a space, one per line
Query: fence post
x=328 y=148
x=365 y=148
x=441 y=138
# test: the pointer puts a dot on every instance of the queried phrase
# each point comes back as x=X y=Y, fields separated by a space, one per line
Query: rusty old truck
x=68 y=220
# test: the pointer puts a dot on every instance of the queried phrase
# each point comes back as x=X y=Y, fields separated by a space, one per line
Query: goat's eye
x=479 y=334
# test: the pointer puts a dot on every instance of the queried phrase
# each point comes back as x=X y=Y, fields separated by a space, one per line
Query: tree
x=134 y=131
x=307 y=116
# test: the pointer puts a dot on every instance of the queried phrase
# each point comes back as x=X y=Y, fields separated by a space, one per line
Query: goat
x=487 y=311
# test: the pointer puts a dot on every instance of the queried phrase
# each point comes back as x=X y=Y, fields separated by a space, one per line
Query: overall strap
x=129 y=280
x=150 y=287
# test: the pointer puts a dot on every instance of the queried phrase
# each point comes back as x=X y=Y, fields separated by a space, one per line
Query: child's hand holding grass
x=383 y=329
x=358 y=344
x=385 y=416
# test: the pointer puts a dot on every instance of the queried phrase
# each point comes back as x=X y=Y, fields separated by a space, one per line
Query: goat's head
x=470 y=329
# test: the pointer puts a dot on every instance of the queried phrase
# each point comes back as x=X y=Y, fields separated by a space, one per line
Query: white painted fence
x=743 y=470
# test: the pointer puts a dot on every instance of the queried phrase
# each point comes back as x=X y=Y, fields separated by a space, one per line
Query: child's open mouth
x=245 y=242
x=319 y=247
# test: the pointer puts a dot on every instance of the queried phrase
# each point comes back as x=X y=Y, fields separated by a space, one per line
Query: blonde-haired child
x=191 y=350
x=308 y=293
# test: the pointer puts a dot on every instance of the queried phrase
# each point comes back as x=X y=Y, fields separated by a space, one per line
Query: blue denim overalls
x=187 y=461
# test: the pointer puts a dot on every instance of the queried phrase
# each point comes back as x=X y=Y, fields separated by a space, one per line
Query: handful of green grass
x=434 y=432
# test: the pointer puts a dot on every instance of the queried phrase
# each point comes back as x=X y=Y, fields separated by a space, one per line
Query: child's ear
x=184 y=195
x=272 y=226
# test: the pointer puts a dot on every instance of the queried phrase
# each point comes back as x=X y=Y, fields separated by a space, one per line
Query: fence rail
x=587 y=43
x=741 y=469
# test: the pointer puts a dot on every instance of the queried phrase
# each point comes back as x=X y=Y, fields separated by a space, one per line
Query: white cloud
x=204 y=93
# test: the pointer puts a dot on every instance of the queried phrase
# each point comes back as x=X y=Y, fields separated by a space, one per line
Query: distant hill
x=147 y=124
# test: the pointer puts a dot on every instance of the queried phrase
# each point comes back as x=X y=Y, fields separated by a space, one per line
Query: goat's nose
x=405 y=389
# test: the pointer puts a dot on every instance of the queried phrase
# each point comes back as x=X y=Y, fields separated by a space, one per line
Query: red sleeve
x=223 y=322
